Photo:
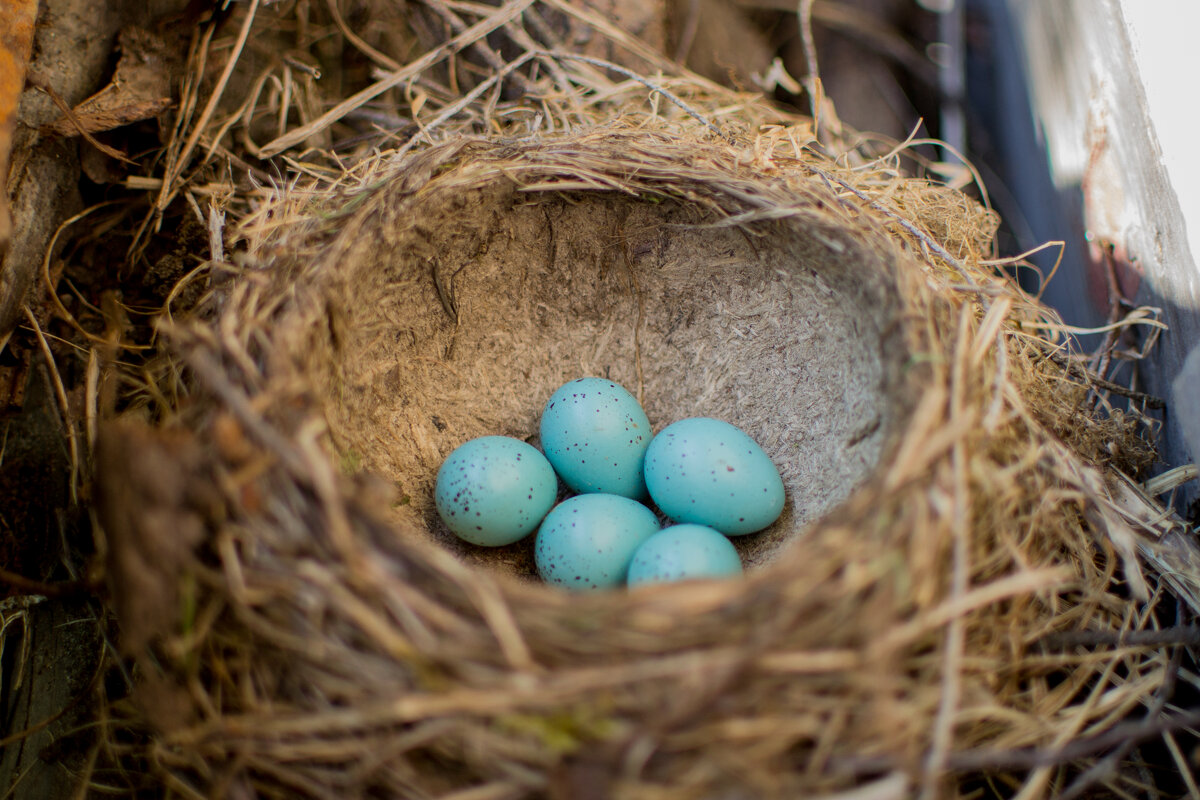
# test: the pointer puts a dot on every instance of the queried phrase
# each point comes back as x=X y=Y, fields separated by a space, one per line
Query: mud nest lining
x=462 y=322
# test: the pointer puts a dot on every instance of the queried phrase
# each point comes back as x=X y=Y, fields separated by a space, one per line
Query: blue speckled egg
x=586 y=542
x=682 y=552
x=595 y=434
x=709 y=472
x=494 y=490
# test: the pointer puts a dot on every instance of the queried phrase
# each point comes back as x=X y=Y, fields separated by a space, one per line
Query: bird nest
x=953 y=597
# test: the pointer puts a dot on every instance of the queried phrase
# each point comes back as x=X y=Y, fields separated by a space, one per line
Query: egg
x=683 y=552
x=587 y=541
x=595 y=434
x=708 y=472
x=494 y=490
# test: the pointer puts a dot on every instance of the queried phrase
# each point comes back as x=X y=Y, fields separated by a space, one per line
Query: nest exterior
x=296 y=633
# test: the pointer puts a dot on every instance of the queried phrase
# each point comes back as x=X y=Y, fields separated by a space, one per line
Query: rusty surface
x=72 y=53
x=17 y=18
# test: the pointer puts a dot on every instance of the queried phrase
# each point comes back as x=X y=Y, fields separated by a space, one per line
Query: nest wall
x=334 y=646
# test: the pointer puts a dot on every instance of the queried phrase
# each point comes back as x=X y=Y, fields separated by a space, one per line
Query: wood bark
x=74 y=40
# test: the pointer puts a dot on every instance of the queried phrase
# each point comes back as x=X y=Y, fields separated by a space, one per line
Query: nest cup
x=455 y=311
x=341 y=642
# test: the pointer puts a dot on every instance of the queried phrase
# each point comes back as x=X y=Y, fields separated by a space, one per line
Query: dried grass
x=905 y=645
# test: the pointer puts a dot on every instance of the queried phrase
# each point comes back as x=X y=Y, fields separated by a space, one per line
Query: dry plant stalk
x=900 y=643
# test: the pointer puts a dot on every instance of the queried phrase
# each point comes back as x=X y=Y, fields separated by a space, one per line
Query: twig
x=61 y=393
x=526 y=42
x=877 y=35
x=505 y=14
x=175 y=169
x=1150 y=400
x=73 y=118
x=51 y=290
x=302 y=458
x=955 y=642
x=1033 y=757
x=1171 y=479
x=216 y=235
x=370 y=52
x=210 y=373
x=1115 y=301
x=1185 y=769
x=1105 y=767
x=1183 y=635
x=812 y=80
x=455 y=108
x=616 y=35
x=691 y=112
x=921 y=235
x=1146 y=777
x=31 y=586
x=489 y=55
x=687 y=32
